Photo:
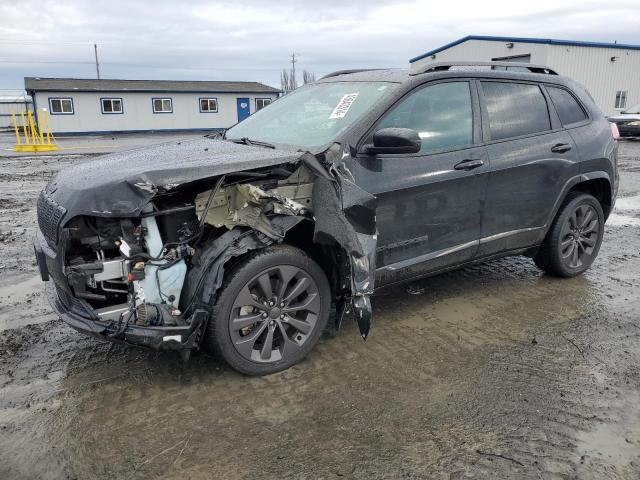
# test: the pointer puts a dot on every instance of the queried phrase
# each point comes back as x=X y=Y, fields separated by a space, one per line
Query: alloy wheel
x=579 y=236
x=274 y=314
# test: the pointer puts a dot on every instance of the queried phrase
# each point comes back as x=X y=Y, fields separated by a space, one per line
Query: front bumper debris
x=80 y=316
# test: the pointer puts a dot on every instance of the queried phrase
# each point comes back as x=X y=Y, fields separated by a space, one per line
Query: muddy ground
x=495 y=371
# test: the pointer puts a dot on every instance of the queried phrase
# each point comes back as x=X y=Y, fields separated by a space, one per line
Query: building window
x=621 y=99
x=162 y=105
x=261 y=103
x=111 y=105
x=61 y=106
x=209 y=105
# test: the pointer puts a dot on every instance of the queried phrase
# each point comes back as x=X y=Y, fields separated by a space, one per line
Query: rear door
x=429 y=203
x=532 y=157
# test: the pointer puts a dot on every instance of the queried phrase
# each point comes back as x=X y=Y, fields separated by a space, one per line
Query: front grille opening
x=49 y=216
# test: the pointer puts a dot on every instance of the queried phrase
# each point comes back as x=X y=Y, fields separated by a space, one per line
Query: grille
x=49 y=216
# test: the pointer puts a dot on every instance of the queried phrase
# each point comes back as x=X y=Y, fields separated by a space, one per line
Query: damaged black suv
x=248 y=242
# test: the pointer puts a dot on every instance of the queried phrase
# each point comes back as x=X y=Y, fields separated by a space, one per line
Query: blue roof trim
x=547 y=41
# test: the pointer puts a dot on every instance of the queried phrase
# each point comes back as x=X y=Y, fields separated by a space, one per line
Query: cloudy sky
x=253 y=39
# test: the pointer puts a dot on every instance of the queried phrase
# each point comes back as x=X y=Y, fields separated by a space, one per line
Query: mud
x=494 y=371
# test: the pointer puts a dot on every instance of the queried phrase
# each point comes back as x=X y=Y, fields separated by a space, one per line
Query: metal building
x=610 y=71
x=86 y=106
x=10 y=104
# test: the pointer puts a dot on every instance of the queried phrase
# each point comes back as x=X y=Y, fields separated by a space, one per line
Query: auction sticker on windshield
x=343 y=105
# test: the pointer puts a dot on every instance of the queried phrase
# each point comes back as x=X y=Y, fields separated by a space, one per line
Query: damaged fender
x=348 y=217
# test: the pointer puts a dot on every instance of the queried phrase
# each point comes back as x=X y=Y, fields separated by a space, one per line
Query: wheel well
x=600 y=188
x=331 y=257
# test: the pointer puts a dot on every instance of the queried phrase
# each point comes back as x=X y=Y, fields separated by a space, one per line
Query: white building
x=610 y=71
x=86 y=106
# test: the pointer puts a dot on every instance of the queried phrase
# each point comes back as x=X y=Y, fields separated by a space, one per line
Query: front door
x=429 y=203
x=243 y=108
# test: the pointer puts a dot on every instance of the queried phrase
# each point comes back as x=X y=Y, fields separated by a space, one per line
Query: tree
x=308 y=77
x=288 y=82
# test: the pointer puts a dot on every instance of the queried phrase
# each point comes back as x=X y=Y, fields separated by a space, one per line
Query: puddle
x=615 y=219
x=615 y=443
x=628 y=203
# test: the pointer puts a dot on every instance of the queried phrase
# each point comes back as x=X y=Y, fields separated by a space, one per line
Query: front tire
x=573 y=242
x=270 y=311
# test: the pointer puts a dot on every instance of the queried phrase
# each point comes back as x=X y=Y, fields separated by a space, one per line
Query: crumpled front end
x=145 y=277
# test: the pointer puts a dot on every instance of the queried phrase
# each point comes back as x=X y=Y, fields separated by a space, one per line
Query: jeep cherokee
x=247 y=242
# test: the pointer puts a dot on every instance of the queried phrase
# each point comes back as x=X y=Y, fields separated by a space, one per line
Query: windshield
x=635 y=109
x=311 y=116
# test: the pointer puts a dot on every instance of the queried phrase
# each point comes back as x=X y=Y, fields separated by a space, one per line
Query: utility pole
x=95 y=50
x=294 y=84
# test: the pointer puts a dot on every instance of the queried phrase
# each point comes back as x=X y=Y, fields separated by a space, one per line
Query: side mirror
x=394 y=140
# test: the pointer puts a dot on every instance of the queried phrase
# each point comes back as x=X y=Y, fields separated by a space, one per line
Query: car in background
x=628 y=122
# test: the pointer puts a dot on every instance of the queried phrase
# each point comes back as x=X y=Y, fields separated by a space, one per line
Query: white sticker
x=343 y=105
x=172 y=338
x=125 y=249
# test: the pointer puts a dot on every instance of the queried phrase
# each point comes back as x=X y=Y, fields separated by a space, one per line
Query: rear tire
x=574 y=239
x=270 y=311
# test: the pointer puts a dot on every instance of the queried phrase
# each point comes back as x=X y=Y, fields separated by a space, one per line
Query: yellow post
x=15 y=128
x=39 y=117
x=33 y=135
x=46 y=125
x=24 y=129
x=32 y=127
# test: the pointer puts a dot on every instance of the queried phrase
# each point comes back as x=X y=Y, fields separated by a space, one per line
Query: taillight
x=614 y=131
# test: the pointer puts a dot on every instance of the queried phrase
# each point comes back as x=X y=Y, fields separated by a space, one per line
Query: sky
x=252 y=40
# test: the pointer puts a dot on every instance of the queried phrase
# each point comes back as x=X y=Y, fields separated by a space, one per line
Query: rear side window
x=568 y=108
x=515 y=109
x=441 y=114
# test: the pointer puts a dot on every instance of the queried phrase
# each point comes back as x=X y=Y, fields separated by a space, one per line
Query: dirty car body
x=145 y=246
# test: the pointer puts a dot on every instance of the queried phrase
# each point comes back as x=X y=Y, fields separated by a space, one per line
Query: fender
x=569 y=184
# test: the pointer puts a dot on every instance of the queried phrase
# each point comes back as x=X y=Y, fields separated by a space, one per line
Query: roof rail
x=346 y=72
x=444 y=66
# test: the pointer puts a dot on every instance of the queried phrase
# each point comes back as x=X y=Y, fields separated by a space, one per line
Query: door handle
x=468 y=164
x=561 y=148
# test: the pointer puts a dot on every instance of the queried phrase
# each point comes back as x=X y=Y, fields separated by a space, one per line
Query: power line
x=41 y=42
x=46 y=61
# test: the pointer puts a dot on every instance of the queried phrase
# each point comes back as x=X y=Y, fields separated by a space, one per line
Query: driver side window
x=441 y=114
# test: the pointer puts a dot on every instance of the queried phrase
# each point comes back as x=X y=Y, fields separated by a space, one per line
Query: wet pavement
x=494 y=371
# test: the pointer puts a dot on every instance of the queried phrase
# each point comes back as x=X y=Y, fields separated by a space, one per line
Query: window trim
x=475 y=120
x=200 y=104
x=262 y=98
x=153 y=105
x=623 y=107
x=585 y=110
x=51 y=112
x=554 y=121
x=112 y=98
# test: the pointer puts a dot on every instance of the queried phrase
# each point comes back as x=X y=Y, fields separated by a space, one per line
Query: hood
x=121 y=184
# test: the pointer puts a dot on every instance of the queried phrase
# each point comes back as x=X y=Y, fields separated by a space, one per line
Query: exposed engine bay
x=149 y=269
